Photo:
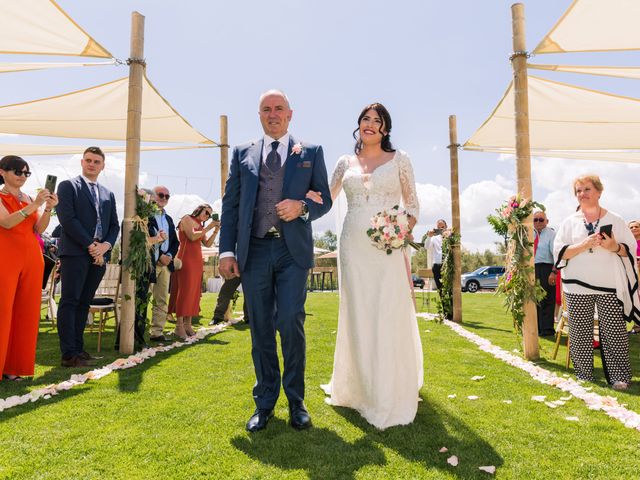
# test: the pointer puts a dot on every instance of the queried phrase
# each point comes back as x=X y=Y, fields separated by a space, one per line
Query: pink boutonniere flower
x=296 y=149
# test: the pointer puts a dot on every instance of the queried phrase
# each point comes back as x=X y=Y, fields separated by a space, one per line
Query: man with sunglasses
x=90 y=227
x=545 y=271
x=164 y=253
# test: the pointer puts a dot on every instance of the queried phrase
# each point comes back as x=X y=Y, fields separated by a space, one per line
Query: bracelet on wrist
x=24 y=215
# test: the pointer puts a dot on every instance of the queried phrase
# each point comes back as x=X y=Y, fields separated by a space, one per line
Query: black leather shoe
x=299 y=417
x=259 y=419
x=159 y=338
x=75 y=362
x=88 y=358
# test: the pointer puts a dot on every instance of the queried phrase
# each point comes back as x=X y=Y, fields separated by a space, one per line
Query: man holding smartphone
x=433 y=245
x=545 y=271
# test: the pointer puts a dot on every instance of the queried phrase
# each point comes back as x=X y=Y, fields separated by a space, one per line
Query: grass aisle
x=182 y=415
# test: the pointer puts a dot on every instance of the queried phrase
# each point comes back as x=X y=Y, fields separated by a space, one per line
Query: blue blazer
x=77 y=215
x=304 y=171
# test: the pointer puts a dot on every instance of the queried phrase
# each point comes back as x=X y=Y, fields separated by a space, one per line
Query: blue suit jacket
x=77 y=215
x=303 y=172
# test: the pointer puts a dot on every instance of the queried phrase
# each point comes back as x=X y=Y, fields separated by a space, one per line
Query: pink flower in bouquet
x=506 y=212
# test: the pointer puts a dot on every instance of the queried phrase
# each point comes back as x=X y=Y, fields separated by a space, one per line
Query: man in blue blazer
x=87 y=213
x=266 y=239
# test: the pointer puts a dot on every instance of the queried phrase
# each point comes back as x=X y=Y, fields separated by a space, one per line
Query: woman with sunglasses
x=186 y=283
x=22 y=267
x=596 y=251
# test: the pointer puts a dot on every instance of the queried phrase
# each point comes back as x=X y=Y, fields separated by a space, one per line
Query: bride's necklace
x=591 y=227
x=19 y=196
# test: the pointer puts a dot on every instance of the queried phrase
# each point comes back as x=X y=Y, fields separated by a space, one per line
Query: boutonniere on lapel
x=296 y=149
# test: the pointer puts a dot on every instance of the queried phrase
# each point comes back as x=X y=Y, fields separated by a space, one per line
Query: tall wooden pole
x=224 y=153
x=455 y=219
x=523 y=161
x=134 y=121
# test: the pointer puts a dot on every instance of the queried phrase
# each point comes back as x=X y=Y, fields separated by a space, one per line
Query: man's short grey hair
x=540 y=211
x=275 y=91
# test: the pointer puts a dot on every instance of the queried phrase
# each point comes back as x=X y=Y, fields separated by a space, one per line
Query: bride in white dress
x=377 y=368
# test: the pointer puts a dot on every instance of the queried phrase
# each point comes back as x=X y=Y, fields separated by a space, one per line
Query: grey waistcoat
x=269 y=193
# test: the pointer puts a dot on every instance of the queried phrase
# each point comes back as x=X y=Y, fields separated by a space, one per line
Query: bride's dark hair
x=386 y=124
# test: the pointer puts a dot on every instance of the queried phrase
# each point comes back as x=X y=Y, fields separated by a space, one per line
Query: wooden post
x=455 y=219
x=523 y=161
x=224 y=153
x=134 y=120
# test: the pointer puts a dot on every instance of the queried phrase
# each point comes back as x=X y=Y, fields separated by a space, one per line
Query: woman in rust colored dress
x=22 y=267
x=186 y=283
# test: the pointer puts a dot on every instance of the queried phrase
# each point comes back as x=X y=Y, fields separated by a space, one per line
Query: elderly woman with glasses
x=597 y=253
x=186 y=282
x=22 y=267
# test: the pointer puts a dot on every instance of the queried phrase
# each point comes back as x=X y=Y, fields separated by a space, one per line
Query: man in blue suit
x=266 y=239
x=87 y=213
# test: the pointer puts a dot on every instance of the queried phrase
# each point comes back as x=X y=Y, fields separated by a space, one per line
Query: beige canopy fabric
x=595 y=26
x=41 y=27
x=563 y=117
x=10 y=67
x=99 y=112
x=619 y=72
x=25 y=150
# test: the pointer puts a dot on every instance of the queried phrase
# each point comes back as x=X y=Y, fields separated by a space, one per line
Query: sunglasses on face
x=208 y=214
x=19 y=173
x=162 y=196
x=538 y=219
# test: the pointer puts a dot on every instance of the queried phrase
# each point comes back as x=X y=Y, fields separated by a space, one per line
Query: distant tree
x=328 y=240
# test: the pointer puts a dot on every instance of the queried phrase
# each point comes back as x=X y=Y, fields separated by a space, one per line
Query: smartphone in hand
x=50 y=183
x=606 y=229
x=214 y=217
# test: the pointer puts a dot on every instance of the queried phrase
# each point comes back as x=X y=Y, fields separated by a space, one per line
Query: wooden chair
x=105 y=301
x=48 y=303
x=427 y=275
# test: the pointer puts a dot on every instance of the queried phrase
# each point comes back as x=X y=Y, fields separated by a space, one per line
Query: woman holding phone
x=186 y=283
x=596 y=250
x=22 y=267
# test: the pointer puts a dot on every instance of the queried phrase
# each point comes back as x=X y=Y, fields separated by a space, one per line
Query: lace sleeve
x=338 y=173
x=408 y=185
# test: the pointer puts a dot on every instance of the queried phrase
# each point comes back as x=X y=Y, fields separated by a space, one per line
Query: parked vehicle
x=417 y=281
x=483 y=277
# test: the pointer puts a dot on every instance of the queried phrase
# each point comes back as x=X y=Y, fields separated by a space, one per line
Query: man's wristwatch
x=305 y=208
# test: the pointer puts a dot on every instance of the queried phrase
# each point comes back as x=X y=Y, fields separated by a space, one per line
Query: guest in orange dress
x=22 y=267
x=186 y=283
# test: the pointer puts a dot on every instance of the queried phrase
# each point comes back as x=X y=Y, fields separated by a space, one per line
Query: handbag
x=177 y=262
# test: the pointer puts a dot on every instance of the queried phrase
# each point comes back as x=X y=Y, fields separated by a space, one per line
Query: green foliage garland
x=515 y=282
x=139 y=261
x=445 y=305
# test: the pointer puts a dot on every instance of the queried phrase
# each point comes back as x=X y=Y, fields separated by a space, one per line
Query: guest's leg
x=225 y=296
x=546 y=306
x=188 y=327
x=581 y=310
x=9 y=280
x=436 y=269
x=290 y=316
x=259 y=290
x=92 y=280
x=614 y=340
x=160 y=292
x=73 y=273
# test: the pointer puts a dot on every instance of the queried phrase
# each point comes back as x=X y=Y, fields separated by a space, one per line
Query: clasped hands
x=97 y=251
x=601 y=240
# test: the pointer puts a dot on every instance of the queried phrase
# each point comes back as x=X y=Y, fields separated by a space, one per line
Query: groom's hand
x=288 y=210
x=229 y=268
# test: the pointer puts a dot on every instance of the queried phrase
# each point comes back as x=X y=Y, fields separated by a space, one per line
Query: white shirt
x=433 y=245
x=96 y=204
x=266 y=149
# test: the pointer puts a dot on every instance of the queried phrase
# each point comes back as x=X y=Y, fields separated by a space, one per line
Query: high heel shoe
x=188 y=328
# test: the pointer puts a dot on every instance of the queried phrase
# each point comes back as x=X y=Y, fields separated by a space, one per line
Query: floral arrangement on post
x=515 y=282
x=139 y=260
x=390 y=229
x=445 y=304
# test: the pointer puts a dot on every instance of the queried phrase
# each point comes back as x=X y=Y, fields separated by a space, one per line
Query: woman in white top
x=599 y=270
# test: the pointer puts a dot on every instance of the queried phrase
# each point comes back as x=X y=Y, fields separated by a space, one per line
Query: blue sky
x=423 y=59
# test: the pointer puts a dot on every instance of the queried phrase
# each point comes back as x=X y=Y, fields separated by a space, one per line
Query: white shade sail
x=595 y=26
x=99 y=112
x=618 y=72
x=10 y=67
x=41 y=27
x=563 y=117
x=25 y=150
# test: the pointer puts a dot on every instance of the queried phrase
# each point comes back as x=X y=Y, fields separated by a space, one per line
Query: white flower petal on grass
x=443 y=450
x=539 y=398
x=453 y=395
x=478 y=377
x=572 y=419
x=507 y=401
x=488 y=468
x=550 y=404
x=453 y=461
x=559 y=403
x=566 y=399
x=473 y=397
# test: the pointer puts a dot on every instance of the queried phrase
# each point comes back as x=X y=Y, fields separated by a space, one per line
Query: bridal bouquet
x=390 y=229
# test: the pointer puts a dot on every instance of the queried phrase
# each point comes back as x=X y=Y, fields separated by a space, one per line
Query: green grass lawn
x=182 y=415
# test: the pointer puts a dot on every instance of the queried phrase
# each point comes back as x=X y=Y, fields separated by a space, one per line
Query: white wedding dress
x=377 y=368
